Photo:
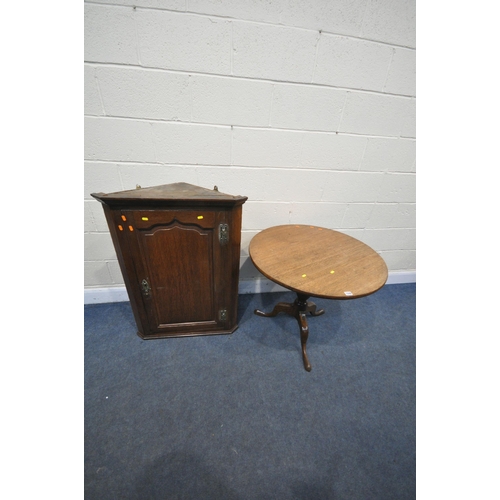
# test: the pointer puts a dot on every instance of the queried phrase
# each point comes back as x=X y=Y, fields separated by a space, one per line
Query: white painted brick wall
x=352 y=63
x=112 y=139
x=230 y=101
x=332 y=151
x=273 y=52
x=192 y=143
x=266 y=148
x=305 y=106
x=389 y=155
x=374 y=114
x=342 y=17
x=92 y=100
x=110 y=34
x=390 y=21
x=173 y=40
x=292 y=105
x=401 y=75
x=139 y=93
x=408 y=128
x=252 y=10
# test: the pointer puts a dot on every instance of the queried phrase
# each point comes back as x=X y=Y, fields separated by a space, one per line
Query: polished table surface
x=315 y=262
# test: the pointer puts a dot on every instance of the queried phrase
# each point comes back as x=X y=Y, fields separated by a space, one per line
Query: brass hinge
x=223 y=315
x=145 y=287
x=223 y=234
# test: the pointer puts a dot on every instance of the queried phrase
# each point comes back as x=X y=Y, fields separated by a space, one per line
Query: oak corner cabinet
x=178 y=247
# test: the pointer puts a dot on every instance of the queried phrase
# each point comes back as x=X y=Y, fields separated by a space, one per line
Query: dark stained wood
x=180 y=278
x=318 y=262
x=298 y=310
x=147 y=219
x=178 y=284
x=175 y=195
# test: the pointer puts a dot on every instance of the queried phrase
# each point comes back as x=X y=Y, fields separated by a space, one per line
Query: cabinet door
x=175 y=267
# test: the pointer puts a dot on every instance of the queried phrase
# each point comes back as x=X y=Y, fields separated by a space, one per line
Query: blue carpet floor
x=237 y=416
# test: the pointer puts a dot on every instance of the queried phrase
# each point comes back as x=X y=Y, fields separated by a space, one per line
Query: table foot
x=298 y=310
x=280 y=307
x=304 y=333
x=311 y=307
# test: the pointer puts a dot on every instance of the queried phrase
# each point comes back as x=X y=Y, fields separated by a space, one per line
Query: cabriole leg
x=298 y=310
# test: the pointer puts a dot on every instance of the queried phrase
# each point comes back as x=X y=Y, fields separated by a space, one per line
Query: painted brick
x=399 y=260
x=332 y=151
x=184 y=42
x=270 y=148
x=409 y=125
x=390 y=239
x=337 y=16
x=271 y=52
x=273 y=184
x=318 y=214
x=155 y=175
x=193 y=144
x=96 y=273
x=264 y=184
x=248 y=270
x=373 y=114
x=142 y=93
x=351 y=187
x=352 y=63
x=391 y=21
x=357 y=215
x=401 y=78
x=246 y=238
x=393 y=215
x=389 y=155
x=283 y=148
x=109 y=34
x=252 y=10
x=355 y=233
x=231 y=180
x=159 y=4
x=92 y=101
x=100 y=178
x=255 y=215
x=397 y=188
x=115 y=272
x=309 y=108
x=230 y=101
x=98 y=246
x=94 y=218
x=118 y=140
x=98 y=217
x=89 y=225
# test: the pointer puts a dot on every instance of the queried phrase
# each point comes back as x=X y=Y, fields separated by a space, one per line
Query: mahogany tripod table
x=315 y=262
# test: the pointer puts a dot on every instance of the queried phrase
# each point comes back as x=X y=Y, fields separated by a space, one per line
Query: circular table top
x=318 y=262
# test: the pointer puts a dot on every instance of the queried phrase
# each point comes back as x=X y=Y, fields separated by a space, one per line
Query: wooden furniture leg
x=298 y=310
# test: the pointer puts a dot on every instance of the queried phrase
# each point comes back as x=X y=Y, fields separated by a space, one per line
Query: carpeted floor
x=237 y=416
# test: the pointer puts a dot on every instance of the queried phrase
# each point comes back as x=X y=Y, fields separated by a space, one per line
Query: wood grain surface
x=181 y=275
x=318 y=262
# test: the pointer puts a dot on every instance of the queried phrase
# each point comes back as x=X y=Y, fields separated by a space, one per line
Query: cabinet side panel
x=127 y=267
x=235 y=242
x=227 y=265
